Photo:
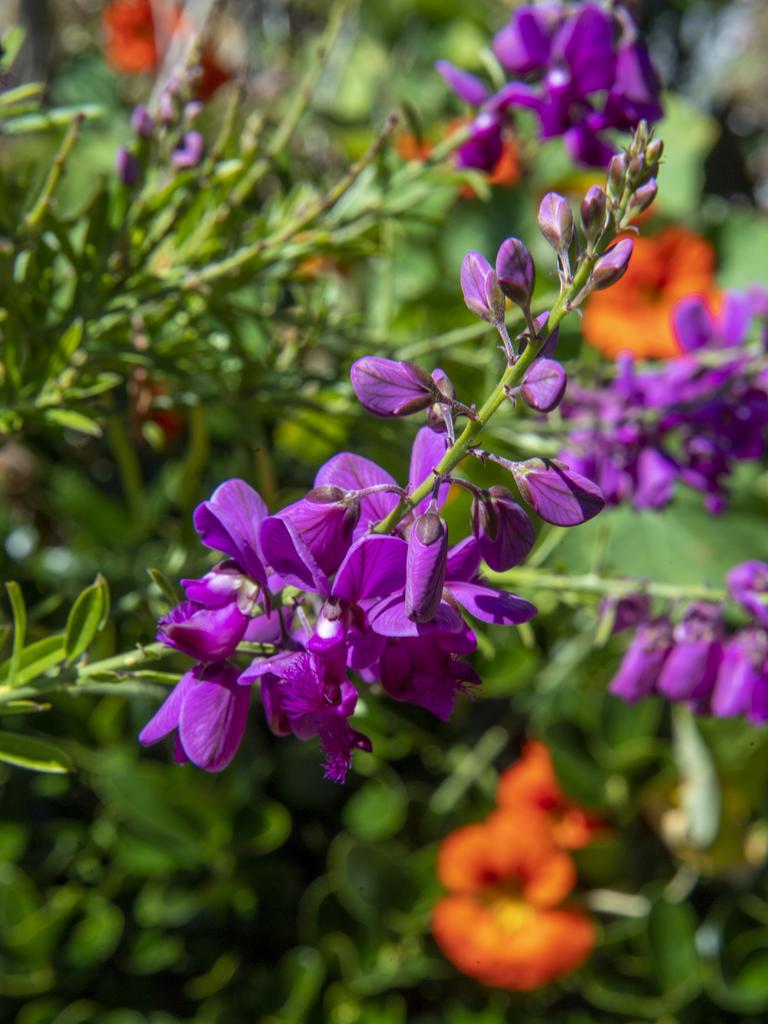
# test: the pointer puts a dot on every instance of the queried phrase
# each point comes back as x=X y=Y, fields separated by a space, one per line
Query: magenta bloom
x=639 y=671
x=207 y=710
x=207 y=634
x=391 y=388
x=742 y=679
x=690 y=670
x=229 y=522
x=746 y=583
x=189 y=152
x=325 y=519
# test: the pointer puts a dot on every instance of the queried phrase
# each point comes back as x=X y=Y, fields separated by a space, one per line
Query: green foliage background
x=133 y=890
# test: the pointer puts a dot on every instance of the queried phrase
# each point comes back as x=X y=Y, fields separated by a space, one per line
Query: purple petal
x=643 y=661
x=557 y=494
x=692 y=323
x=213 y=718
x=484 y=147
x=374 y=567
x=467 y=87
x=229 y=522
x=166 y=718
x=491 y=605
x=739 y=676
x=586 y=44
x=587 y=147
x=656 y=478
x=474 y=276
x=325 y=524
x=391 y=388
x=524 y=44
x=736 y=318
x=390 y=618
x=690 y=671
x=463 y=560
x=354 y=473
x=544 y=385
x=290 y=557
x=207 y=634
x=504 y=532
x=276 y=665
x=427 y=451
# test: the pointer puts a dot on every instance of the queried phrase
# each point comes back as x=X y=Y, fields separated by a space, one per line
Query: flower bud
x=544 y=385
x=643 y=661
x=516 y=271
x=425 y=565
x=611 y=267
x=691 y=669
x=128 y=167
x=617 y=172
x=391 y=388
x=636 y=168
x=644 y=196
x=556 y=493
x=556 y=221
x=504 y=533
x=142 y=122
x=593 y=208
x=480 y=288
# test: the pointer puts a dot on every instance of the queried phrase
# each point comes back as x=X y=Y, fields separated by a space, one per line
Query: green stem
x=525 y=577
x=512 y=376
x=35 y=216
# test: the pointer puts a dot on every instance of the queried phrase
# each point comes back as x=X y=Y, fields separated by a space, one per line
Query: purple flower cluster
x=582 y=70
x=331 y=593
x=688 y=420
x=697 y=660
x=171 y=126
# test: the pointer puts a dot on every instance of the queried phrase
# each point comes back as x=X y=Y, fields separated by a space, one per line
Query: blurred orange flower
x=635 y=315
x=502 y=922
x=138 y=32
x=530 y=786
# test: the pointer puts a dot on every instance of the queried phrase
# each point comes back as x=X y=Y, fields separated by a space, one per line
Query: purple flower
x=742 y=678
x=229 y=522
x=390 y=388
x=207 y=634
x=691 y=668
x=428 y=671
x=579 y=68
x=504 y=533
x=425 y=565
x=746 y=583
x=645 y=657
x=556 y=493
x=142 y=122
x=208 y=711
x=189 y=151
x=325 y=520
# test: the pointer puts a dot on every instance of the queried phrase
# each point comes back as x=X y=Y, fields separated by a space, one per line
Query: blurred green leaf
x=86 y=618
x=34 y=753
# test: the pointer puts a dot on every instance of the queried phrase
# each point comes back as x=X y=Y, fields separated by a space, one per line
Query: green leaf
x=86 y=618
x=73 y=420
x=33 y=753
x=165 y=586
x=35 y=660
x=68 y=343
x=19 y=628
x=672 y=935
x=22 y=707
x=377 y=810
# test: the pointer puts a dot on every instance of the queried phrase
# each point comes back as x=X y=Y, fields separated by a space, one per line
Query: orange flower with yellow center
x=635 y=315
x=502 y=922
x=530 y=787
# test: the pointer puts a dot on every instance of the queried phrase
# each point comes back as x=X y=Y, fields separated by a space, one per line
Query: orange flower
x=138 y=33
x=131 y=44
x=501 y=922
x=530 y=786
x=635 y=315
